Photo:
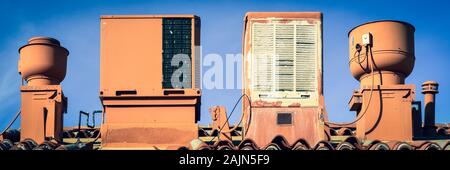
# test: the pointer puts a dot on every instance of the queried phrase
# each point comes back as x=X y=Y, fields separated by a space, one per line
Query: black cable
x=79 y=124
x=12 y=122
x=231 y=113
x=87 y=124
x=93 y=119
x=99 y=132
x=359 y=117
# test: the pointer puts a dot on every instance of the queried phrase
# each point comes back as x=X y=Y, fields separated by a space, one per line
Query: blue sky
x=76 y=25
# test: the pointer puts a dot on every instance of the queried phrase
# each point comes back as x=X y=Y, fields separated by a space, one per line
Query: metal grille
x=176 y=40
x=284 y=57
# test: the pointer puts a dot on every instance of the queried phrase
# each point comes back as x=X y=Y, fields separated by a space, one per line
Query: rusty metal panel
x=282 y=66
x=147 y=135
x=265 y=127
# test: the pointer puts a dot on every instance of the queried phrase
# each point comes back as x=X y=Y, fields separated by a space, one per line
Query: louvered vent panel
x=306 y=57
x=263 y=51
x=285 y=57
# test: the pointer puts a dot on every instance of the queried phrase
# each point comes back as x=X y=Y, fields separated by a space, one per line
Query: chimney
x=429 y=89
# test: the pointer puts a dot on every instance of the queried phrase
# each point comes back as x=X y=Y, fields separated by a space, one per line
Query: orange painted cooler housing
x=149 y=80
x=283 y=76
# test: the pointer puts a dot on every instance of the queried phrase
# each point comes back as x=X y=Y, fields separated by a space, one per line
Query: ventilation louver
x=285 y=57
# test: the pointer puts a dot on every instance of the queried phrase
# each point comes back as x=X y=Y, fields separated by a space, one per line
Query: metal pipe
x=429 y=89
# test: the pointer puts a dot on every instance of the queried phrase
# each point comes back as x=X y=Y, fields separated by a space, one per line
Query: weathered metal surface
x=305 y=124
x=282 y=74
x=147 y=136
x=283 y=57
x=388 y=116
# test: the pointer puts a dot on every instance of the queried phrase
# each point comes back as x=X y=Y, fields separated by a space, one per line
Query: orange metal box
x=143 y=108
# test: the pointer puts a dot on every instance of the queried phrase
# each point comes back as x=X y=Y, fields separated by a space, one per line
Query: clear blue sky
x=76 y=25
